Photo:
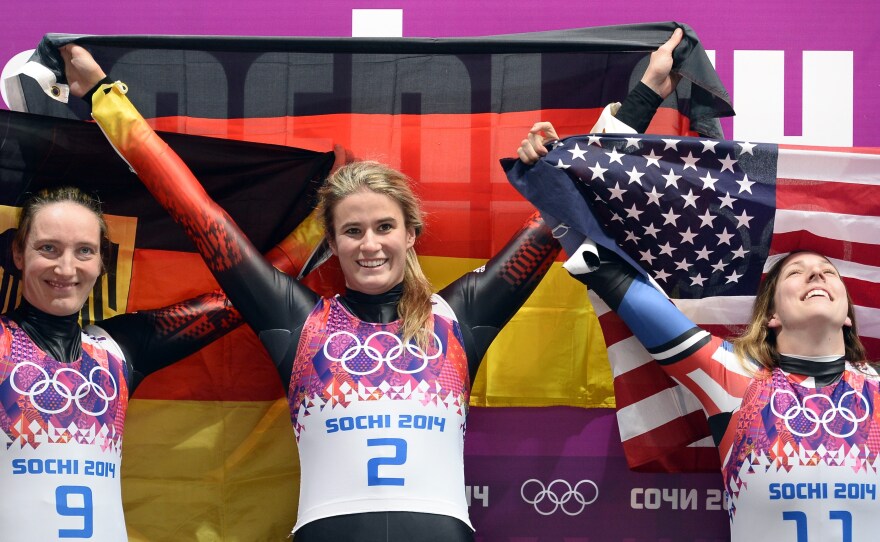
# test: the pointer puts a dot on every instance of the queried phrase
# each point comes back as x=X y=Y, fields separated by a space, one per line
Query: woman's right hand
x=532 y=147
x=80 y=69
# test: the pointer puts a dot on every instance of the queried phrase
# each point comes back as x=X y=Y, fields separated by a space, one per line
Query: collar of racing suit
x=824 y=372
x=58 y=336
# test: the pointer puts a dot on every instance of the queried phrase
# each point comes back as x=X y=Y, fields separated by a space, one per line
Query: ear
x=332 y=242
x=774 y=321
x=410 y=237
x=18 y=258
x=847 y=322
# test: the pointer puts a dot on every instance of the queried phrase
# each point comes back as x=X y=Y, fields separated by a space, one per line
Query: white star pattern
x=743 y=220
x=653 y=159
x=651 y=230
x=724 y=237
x=690 y=199
x=706 y=219
x=708 y=181
x=598 y=172
x=671 y=144
x=727 y=201
x=688 y=236
x=615 y=156
x=633 y=212
x=577 y=153
x=745 y=185
x=669 y=217
x=688 y=221
x=727 y=163
x=653 y=196
x=703 y=253
x=709 y=145
x=635 y=176
x=690 y=161
x=617 y=192
x=746 y=148
x=671 y=177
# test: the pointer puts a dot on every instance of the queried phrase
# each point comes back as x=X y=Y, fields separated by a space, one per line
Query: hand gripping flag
x=704 y=219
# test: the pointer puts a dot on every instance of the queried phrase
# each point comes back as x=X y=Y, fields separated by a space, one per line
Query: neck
x=375 y=308
x=809 y=343
x=59 y=336
x=825 y=370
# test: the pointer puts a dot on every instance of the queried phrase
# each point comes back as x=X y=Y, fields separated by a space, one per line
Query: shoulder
x=439 y=307
x=96 y=336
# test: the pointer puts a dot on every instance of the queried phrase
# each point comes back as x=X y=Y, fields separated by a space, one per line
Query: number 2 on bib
x=399 y=458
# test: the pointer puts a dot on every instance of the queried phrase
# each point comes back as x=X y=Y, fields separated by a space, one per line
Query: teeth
x=815 y=293
x=371 y=263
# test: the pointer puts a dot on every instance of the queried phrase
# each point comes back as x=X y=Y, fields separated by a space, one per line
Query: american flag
x=704 y=219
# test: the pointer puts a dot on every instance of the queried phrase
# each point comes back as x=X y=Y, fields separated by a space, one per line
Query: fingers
x=672 y=42
x=532 y=148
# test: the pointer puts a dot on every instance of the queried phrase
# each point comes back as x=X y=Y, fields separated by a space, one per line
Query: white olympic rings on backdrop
x=88 y=386
x=796 y=409
x=392 y=354
x=567 y=494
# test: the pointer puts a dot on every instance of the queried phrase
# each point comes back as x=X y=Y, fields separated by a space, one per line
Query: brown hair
x=62 y=194
x=414 y=308
x=758 y=342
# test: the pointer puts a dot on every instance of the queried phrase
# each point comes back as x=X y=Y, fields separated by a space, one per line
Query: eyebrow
x=382 y=220
x=801 y=263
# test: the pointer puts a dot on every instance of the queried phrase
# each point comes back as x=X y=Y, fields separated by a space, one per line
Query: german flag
x=209 y=448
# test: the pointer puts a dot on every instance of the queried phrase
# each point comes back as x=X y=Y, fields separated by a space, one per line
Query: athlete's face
x=61 y=259
x=810 y=295
x=370 y=238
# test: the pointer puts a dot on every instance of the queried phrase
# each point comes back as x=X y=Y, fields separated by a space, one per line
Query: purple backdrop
x=558 y=474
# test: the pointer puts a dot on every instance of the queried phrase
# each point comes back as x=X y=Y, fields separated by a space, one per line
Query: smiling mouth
x=61 y=285
x=817 y=293
x=372 y=264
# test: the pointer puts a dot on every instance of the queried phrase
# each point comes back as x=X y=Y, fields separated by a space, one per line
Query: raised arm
x=267 y=298
x=153 y=339
x=484 y=300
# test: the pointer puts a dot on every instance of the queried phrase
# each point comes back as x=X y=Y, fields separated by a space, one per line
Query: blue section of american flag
x=695 y=214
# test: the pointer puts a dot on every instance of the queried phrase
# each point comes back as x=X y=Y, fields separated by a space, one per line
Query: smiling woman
x=387 y=353
x=57 y=249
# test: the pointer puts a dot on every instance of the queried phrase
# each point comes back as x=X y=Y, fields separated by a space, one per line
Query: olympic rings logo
x=394 y=353
x=87 y=387
x=559 y=494
x=820 y=419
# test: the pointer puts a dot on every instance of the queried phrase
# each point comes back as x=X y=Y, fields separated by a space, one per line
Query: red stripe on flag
x=864 y=253
x=824 y=196
x=613 y=328
x=676 y=434
x=640 y=383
